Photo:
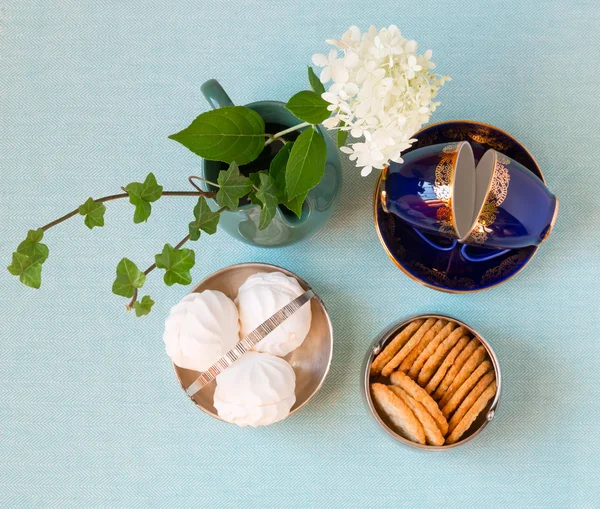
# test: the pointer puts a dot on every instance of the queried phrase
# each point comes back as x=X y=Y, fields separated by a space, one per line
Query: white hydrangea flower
x=382 y=91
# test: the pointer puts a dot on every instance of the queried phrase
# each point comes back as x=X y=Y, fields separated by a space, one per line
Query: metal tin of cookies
x=379 y=344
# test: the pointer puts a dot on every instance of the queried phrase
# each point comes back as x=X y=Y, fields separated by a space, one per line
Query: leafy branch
x=234 y=135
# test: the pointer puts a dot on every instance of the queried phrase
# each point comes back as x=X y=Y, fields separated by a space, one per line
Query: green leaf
x=255 y=177
x=342 y=136
x=93 y=212
x=315 y=82
x=295 y=204
x=144 y=306
x=129 y=277
x=306 y=164
x=232 y=133
x=233 y=186
x=268 y=196
x=309 y=106
x=177 y=264
x=141 y=195
x=205 y=219
x=32 y=247
x=278 y=165
x=29 y=272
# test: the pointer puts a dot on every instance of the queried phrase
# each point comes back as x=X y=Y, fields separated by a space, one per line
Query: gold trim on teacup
x=383 y=177
x=443 y=187
x=495 y=196
x=552 y=223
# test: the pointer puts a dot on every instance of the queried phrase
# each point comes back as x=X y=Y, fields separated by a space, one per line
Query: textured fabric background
x=90 y=411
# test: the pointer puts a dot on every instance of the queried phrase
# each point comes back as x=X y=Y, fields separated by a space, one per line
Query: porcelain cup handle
x=215 y=95
x=493 y=253
x=433 y=244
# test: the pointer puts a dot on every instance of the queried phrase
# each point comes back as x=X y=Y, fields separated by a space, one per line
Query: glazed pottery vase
x=286 y=228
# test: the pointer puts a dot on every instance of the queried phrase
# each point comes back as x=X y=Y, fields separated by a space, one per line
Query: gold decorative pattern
x=438 y=278
x=495 y=197
x=507 y=267
x=480 y=133
x=444 y=174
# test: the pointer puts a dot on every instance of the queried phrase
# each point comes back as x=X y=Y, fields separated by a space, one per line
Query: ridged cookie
x=403 y=381
x=393 y=346
x=433 y=435
x=399 y=413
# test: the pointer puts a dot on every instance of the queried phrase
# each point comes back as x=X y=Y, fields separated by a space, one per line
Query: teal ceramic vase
x=286 y=228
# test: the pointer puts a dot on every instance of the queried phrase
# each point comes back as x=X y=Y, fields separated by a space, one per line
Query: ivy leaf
x=141 y=195
x=144 y=306
x=268 y=196
x=232 y=133
x=32 y=247
x=315 y=82
x=129 y=277
x=306 y=164
x=29 y=272
x=177 y=264
x=295 y=204
x=93 y=212
x=342 y=136
x=277 y=167
x=233 y=186
x=205 y=219
x=309 y=106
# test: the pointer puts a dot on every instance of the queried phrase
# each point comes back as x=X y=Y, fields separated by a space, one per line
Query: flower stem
x=278 y=135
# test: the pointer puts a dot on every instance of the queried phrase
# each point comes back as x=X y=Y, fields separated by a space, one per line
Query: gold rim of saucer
x=485 y=417
x=391 y=256
x=186 y=376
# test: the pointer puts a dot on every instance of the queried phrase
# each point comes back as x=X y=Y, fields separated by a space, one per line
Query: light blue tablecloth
x=90 y=412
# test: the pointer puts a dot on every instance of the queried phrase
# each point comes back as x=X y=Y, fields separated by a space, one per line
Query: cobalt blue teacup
x=496 y=205
x=433 y=189
x=517 y=209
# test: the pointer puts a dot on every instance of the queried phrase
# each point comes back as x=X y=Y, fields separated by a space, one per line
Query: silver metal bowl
x=310 y=361
x=477 y=427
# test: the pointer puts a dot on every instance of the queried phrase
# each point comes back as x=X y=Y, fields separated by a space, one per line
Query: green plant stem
x=191 y=181
x=125 y=195
x=133 y=300
x=278 y=135
x=153 y=266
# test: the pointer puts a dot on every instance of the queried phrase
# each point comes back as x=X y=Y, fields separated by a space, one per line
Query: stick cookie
x=417 y=392
x=434 y=362
x=447 y=364
x=470 y=400
x=455 y=368
x=463 y=390
x=429 y=349
x=477 y=357
x=415 y=352
x=399 y=412
x=472 y=414
x=408 y=346
x=392 y=348
x=433 y=435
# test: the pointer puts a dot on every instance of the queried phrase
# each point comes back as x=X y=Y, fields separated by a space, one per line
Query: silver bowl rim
x=366 y=393
x=305 y=285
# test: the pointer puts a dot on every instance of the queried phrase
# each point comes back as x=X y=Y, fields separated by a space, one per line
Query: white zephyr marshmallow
x=201 y=329
x=256 y=390
x=259 y=298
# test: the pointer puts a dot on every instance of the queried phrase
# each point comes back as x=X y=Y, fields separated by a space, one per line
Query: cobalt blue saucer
x=448 y=270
